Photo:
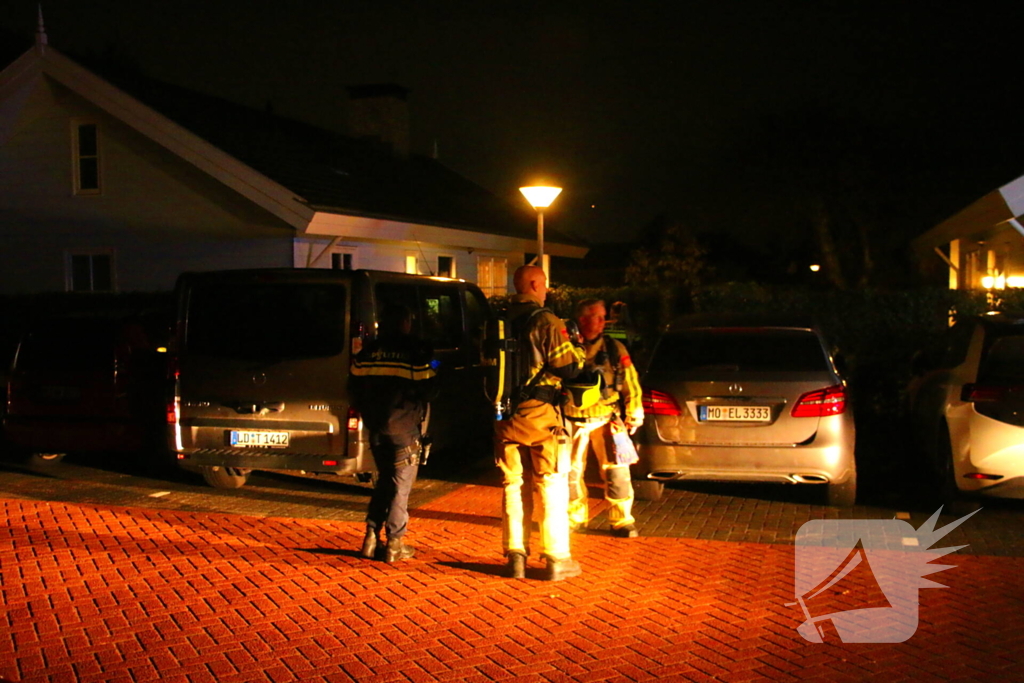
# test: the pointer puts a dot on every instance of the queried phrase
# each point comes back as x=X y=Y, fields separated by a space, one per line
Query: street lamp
x=540 y=198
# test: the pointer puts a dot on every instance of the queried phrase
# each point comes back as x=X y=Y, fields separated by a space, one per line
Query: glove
x=632 y=424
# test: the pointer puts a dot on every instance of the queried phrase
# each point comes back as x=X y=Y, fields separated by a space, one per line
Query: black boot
x=562 y=569
x=515 y=566
x=370 y=541
x=398 y=550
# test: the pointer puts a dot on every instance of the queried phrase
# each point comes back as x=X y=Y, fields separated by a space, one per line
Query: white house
x=117 y=182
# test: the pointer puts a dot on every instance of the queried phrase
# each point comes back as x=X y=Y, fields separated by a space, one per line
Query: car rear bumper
x=994 y=448
x=64 y=435
x=810 y=464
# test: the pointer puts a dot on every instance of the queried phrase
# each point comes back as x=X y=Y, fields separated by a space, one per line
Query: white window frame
x=454 y=273
x=69 y=269
x=76 y=159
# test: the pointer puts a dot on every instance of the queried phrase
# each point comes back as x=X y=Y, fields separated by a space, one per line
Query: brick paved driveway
x=98 y=592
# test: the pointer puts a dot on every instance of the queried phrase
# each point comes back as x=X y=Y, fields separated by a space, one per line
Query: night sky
x=638 y=108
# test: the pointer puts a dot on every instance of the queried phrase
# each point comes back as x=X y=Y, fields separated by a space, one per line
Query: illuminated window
x=90 y=271
x=411 y=264
x=85 y=145
x=446 y=266
x=492 y=275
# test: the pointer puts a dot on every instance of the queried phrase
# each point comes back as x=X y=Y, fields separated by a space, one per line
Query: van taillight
x=173 y=411
x=821 y=402
x=659 y=403
x=355 y=420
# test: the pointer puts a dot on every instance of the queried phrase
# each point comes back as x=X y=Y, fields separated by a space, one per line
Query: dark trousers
x=389 y=504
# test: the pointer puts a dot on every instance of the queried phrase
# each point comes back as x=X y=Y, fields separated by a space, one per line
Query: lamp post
x=540 y=198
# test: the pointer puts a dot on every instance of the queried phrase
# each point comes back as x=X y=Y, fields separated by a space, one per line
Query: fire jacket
x=552 y=357
x=627 y=392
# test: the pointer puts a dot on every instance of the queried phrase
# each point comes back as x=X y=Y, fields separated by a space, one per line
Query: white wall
x=391 y=257
x=159 y=213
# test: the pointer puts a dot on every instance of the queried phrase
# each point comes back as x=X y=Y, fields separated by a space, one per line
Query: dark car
x=746 y=398
x=84 y=384
x=262 y=362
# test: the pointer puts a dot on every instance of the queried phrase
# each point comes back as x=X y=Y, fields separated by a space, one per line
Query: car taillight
x=659 y=403
x=822 y=402
x=981 y=393
x=355 y=420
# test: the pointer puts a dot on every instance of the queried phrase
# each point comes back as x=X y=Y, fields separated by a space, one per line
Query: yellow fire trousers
x=532 y=451
x=595 y=436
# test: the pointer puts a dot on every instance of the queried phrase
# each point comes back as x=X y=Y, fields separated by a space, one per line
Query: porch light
x=994 y=282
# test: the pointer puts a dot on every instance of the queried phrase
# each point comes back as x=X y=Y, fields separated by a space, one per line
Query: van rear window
x=744 y=350
x=266 y=322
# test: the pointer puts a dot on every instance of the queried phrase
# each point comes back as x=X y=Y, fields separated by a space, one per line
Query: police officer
x=392 y=381
x=527 y=444
x=619 y=408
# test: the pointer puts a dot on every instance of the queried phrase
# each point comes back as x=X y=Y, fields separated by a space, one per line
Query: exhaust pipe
x=809 y=479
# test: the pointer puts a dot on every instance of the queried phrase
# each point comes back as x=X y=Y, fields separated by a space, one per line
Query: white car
x=969 y=412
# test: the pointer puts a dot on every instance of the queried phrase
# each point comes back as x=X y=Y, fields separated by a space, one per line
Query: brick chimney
x=380 y=111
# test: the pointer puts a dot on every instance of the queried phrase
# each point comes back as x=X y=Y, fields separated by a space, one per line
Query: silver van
x=260 y=367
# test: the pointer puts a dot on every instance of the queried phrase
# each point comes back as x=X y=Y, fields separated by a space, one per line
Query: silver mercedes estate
x=748 y=398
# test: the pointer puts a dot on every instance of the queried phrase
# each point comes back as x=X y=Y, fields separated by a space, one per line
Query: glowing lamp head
x=815 y=268
x=539 y=196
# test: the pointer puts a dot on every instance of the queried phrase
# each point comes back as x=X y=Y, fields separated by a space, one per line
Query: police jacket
x=621 y=383
x=545 y=343
x=392 y=381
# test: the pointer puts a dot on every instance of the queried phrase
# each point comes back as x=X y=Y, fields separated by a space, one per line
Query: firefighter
x=617 y=407
x=392 y=381
x=532 y=446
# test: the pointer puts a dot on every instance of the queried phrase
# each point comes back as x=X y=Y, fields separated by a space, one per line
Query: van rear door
x=263 y=363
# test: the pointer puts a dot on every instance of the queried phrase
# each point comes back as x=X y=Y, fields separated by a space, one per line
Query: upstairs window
x=86 y=147
x=90 y=272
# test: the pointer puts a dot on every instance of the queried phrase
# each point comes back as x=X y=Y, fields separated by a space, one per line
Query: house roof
x=998 y=207
x=327 y=173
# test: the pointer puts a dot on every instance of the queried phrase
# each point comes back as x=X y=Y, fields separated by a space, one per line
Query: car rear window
x=1003 y=362
x=743 y=350
x=68 y=345
x=266 y=322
